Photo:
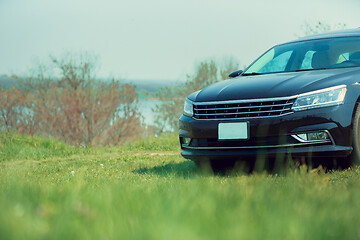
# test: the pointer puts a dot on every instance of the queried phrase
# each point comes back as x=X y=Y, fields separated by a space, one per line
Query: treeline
x=62 y=100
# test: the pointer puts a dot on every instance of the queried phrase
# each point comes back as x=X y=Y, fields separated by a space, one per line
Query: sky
x=156 y=39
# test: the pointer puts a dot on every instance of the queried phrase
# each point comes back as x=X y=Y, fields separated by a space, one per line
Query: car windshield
x=308 y=55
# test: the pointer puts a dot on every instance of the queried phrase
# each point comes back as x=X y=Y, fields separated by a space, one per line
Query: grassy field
x=49 y=190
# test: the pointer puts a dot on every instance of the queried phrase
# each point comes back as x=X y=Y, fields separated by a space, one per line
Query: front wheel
x=215 y=166
x=354 y=157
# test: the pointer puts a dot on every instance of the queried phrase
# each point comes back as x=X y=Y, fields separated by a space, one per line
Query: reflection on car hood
x=275 y=85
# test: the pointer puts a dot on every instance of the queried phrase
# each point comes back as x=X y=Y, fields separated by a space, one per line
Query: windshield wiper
x=309 y=69
x=250 y=74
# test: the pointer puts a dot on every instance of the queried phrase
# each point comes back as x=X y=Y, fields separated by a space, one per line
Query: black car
x=299 y=99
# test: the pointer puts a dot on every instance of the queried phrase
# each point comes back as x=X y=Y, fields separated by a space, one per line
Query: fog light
x=317 y=136
x=312 y=136
x=186 y=140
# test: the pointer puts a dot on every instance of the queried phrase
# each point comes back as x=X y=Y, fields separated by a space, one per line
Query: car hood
x=275 y=85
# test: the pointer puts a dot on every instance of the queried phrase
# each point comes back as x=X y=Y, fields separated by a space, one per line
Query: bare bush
x=14 y=112
x=68 y=104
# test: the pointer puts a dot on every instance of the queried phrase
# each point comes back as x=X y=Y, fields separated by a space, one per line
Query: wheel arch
x=354 y=110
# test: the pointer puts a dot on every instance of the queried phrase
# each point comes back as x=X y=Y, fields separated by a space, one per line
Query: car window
x=343 y=57
x=308 y=55
x=306 y=64
x=277 y=64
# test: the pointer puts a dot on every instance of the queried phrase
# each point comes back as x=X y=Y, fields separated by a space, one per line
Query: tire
x=354 y=157
x=203 y=165
x=222 y=166
x=214 y=166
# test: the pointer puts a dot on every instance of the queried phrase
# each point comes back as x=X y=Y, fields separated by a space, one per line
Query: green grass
x=19 y=147
x=49 y=190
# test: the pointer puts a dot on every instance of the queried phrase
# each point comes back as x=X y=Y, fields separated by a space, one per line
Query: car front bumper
x=272 y=136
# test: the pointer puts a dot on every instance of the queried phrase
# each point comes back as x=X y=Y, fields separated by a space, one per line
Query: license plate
x=238 y=130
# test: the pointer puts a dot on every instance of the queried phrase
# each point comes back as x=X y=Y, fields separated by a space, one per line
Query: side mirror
x=235 y=74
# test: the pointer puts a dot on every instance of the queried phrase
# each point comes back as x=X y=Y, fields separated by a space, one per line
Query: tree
x=320 y=27
x=206 y=73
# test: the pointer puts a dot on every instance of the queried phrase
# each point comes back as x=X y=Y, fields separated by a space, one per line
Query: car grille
x=244 y=108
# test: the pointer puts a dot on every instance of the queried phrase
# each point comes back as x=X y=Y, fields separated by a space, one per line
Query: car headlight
x=321 y=98
x=188 y=108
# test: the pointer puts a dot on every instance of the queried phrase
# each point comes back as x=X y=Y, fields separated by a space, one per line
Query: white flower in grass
x=101 y=165
x=72 y=173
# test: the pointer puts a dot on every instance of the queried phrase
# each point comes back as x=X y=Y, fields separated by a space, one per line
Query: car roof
x=342 y=33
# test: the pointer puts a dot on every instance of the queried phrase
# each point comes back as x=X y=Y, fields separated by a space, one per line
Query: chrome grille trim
x=277 y=105
x=215 y=114
x=243 y=109
x=245 y=100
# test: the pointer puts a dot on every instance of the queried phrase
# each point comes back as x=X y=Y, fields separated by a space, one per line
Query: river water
x=145 y=107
